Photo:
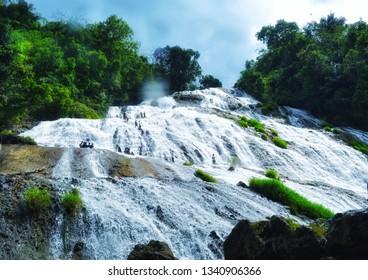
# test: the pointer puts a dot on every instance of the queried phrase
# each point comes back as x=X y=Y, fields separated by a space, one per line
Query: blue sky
x=223 y=31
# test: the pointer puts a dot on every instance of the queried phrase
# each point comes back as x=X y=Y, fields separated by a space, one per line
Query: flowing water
x=193 y=217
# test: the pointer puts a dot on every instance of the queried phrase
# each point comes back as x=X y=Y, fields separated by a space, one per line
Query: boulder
x=348 y=234
x=273 y=239
x=154 y=250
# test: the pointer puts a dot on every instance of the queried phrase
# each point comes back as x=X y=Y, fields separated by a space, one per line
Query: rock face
x=273 y=239
x=154 y=250
x=348 y=234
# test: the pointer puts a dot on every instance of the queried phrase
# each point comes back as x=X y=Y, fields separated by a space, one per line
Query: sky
x=222 y=31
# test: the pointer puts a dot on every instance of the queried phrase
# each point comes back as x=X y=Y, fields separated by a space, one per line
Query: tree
x=208 y=81
x=179 y=67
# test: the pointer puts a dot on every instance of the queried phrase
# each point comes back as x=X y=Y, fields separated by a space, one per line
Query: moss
x=359 y=146
x=264 y=136
x=187 y=163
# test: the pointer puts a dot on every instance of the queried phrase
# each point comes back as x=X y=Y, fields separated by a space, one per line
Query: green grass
x=257 y=125
x=280 y=143
x=360 y=146
x=272 y=174
x=36 y=199
x=204 y=176
x=278 y=192
x=264 y=136
x=243 y=122
x=187 y=163
x=274 y=132
x=72 y=201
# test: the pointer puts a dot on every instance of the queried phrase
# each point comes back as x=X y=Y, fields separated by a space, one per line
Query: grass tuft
x=272 y=174
x=360 y=146
x=204 y=176
x=280 y=143
x=72 y=201
x=278 y=192
x=36 y=199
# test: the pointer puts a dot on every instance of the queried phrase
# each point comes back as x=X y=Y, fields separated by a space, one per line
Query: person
x=213 y=159
x=118 y=148
x=136 y=124
x=144 y=114
x=139 y=126
x=172 y=155
x=140 y=150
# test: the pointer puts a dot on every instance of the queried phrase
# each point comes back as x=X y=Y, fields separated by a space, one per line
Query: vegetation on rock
x=36 y=199
x=204 y=176
x=72 y=201
x=277 y=191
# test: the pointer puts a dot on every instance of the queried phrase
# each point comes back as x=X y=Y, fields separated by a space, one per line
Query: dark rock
x=159 y=213
x=273 y=239
x=78 y=251
x=154 y=250
x=242 y=184
x=347 y=235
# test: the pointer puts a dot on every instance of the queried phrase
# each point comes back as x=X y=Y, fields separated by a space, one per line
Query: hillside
x=130 y=199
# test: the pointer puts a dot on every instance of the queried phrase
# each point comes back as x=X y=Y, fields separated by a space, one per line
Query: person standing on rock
x=213 y=159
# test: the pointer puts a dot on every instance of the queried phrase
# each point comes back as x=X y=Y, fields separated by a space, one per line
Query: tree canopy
x=54 y=69
x=321 y=68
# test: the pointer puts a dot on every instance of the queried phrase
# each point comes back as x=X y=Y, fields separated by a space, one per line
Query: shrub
x=278 y=192
x=257 y=125
x=360 y=146
x=204 y=176
x=188 y=163
x=270 y=173
x=243 y=122
x=319 y=227
x=36 y=199
x=280 y=143
x=72 y=201
x=264 y=136
x=274 y=132
x=269 y=108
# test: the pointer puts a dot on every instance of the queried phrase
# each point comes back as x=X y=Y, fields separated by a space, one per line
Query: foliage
x=320 y=227
x=321 y=68
x=243 y=122
x=187 y=163
x=280 y=143
x=179 y=67
x=72 y=201
x=274 y=132
x=204 y=176
x=292 y=224
x=277 y=191
x=271 y=173
x=36 y=199
x=264 y=136
x=257 y=125
x=209 y=81
x=360 y=146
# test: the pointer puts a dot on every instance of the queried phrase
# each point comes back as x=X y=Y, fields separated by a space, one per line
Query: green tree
x=208 y=81
x=179 y=67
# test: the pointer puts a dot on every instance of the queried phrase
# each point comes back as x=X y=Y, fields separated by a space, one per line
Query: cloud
x=222 y=31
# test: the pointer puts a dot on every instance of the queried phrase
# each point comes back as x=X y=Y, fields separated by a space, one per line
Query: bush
x=360 y=146
x=204 y=176
x=257 y=125
x=36 y=199
x=264 y=136
x=278 y=192
x=269 y=108
x=280 y=143
x=243 y=122
x=274 y=132
x=188 y=163
x=272 y=174
x=72 y=201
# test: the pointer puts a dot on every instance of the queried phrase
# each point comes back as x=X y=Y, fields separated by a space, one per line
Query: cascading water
x=193 y=217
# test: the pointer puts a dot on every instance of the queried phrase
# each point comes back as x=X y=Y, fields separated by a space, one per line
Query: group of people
x=85 y=144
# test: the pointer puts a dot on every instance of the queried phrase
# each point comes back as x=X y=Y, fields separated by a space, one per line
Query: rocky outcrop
x=154 y=250
x=15 y=139
x=347 y=235
x=277 y=239
x=273 y=239
x=24 y=235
